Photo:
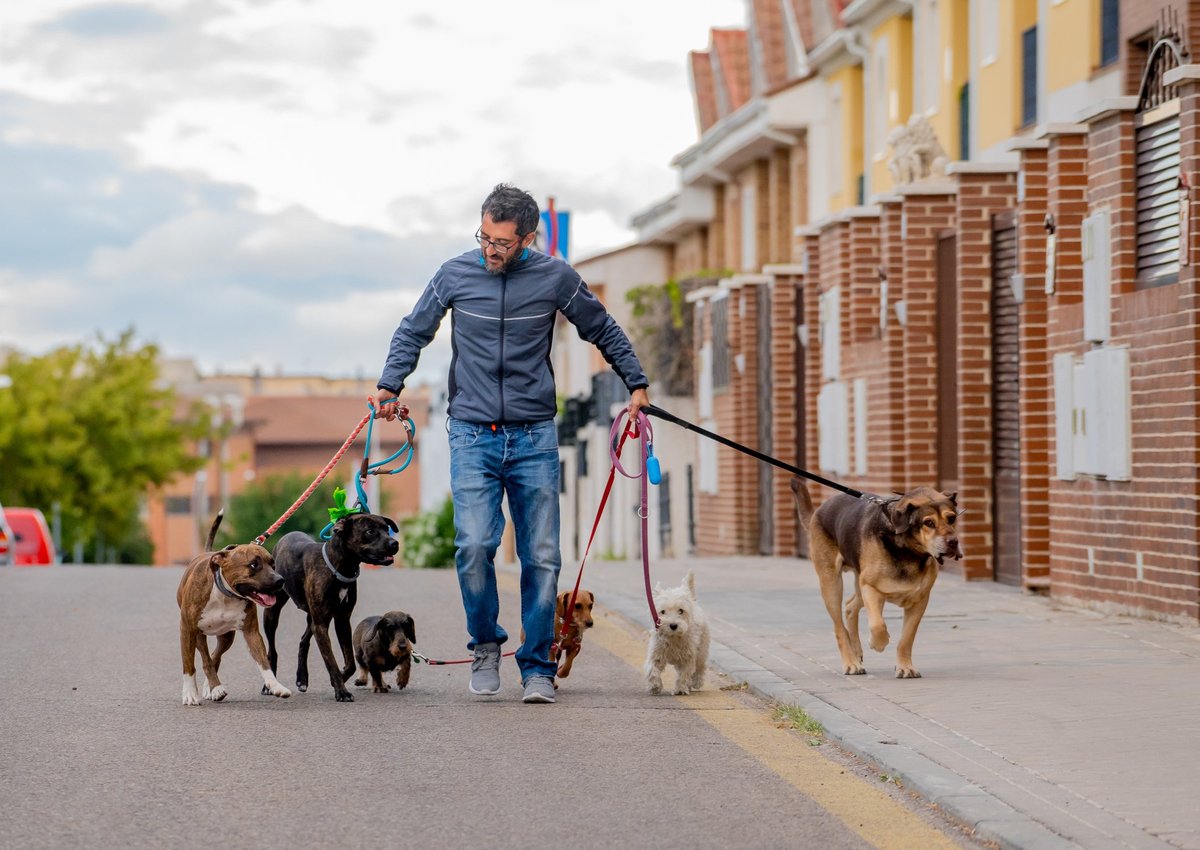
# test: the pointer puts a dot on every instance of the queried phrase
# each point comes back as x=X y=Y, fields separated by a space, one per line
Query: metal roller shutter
x=1158 y=157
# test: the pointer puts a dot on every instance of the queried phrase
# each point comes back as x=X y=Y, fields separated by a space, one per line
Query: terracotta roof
x=731 y=54
x=314 y=420
x=770 y=31
x=803 y=11
x=703 y=90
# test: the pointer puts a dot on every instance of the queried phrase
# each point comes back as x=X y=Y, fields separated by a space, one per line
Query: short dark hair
x=508 y=203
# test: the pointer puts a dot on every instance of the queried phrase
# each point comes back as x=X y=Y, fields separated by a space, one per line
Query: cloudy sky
x=271 y=183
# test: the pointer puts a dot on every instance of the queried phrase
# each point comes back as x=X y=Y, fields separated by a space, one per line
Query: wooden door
x=1006 y=390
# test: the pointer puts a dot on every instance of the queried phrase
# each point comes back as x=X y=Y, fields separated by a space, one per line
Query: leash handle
x=654 y=410
x=638 y=426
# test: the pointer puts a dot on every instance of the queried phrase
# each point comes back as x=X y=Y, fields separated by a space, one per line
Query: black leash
x=654 y=410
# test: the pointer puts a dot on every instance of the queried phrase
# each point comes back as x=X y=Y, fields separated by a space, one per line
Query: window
x=1158 y=159
x=1110 y=31
x=964 y=122
x=1029 y=74
x=833 y=447
x=178 y=505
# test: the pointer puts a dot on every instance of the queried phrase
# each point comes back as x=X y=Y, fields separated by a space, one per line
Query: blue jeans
x=522 y=461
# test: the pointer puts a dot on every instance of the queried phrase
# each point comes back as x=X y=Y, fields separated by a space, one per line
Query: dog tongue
x=266 y=600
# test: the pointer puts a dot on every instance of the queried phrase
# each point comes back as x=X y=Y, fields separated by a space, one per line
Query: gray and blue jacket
x=502 y=327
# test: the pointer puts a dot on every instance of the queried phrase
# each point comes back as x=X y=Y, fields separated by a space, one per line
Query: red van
x=31 y=544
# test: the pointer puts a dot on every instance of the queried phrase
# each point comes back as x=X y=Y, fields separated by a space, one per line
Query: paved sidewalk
x=1044 y=725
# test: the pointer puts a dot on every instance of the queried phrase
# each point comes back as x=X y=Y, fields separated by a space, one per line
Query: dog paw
x=654 y=687
x=190 y=699
x=360 y=683
x=382 y=690
x=879 y=640
x=265 y=691
x=853 y=669
x=682 y=690
x=907 y=672
x=302 y=686
x=216 y=694
x=278 y=690
x=344 y=696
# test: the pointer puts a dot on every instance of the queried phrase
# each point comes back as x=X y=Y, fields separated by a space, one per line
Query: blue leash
x=406 y=452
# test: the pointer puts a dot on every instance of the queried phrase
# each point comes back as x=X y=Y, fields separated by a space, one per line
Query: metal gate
x=1006 y=391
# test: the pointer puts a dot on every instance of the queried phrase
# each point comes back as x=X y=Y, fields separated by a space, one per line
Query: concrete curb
x=992 y=819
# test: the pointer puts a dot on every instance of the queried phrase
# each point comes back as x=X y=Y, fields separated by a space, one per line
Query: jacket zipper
x=503 y=298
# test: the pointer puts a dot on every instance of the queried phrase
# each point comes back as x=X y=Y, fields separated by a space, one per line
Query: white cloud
x=237 y=178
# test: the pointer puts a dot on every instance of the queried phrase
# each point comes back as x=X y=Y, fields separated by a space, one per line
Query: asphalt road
x=97 y=750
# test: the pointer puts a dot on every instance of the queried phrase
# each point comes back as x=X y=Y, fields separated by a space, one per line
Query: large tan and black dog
x=216 y=596
x=894 y=548
x=322 y=579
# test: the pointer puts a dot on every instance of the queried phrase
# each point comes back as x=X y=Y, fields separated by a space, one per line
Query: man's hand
x=637 y=400
x=388 y=406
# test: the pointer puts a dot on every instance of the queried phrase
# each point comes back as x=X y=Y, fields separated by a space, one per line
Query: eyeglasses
x=500 y=247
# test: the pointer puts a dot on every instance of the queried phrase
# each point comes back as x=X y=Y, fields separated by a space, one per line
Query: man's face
x=502 y=244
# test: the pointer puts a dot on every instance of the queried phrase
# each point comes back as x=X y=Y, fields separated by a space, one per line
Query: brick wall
x=1132 y=545
x=1037 y=423
x=924 y=217
x=981 y=196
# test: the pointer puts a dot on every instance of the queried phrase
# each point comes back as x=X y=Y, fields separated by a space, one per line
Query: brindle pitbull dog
x=216 y=596
x=322 y=579
x=894 y=550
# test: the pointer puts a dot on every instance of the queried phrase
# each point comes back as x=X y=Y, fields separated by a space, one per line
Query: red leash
x=637 y=427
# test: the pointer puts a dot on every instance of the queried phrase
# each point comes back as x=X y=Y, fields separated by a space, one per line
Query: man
x=503 y=299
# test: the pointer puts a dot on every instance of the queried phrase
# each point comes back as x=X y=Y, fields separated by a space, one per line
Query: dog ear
x=338 y=527
x=952 y=497
x=219 y=559
x=690 y=581
x=900 y=516
x=391 y=524
x=372 y=632
x=409 y=628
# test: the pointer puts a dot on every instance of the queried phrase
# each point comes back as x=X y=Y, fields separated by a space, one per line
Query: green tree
x=88 y=428
x=256 y=509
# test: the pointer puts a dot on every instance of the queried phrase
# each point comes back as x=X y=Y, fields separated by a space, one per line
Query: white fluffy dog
x=680 y=640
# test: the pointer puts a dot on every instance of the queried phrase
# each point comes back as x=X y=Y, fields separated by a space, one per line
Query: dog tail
x=804 y=505
x=212 y=532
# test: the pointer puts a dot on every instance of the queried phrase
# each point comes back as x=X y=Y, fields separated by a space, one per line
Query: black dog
x=382 y=644
x=322 y=580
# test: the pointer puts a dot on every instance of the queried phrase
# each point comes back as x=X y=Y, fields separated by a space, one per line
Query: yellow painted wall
x=999 y=101
x=1073 y=27
x=899 y=94
x=954 y=38
x=845 y=185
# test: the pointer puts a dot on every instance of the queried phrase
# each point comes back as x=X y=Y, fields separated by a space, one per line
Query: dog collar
x=224 y=588
x=333 y=569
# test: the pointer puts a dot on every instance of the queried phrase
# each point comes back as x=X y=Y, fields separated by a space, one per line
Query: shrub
x=427 y=539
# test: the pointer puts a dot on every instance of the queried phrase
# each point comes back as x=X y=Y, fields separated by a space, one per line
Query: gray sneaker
x=539 y=689
x=485 y=669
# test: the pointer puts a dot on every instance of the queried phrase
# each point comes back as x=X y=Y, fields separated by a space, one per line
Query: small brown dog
x=581 y=619
x=382 y=644
x=894 y=548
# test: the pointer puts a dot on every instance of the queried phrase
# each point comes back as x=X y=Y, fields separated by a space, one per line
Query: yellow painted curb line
x=865 y=809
